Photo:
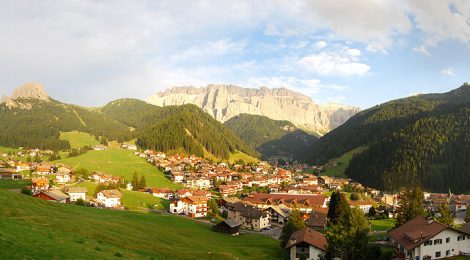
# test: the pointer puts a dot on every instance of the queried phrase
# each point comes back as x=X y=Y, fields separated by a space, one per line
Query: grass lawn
x=59 y=231
x=14 y=184
x=382 y=224
x=120 y=162
x=4 y=149
x=79 y=139
x=342 y=163
x=240 y=155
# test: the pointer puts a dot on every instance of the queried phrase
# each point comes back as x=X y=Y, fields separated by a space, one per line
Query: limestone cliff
x=226 y=101
x=25 y=92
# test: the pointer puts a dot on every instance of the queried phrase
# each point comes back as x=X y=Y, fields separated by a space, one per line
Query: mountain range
x=226 y=101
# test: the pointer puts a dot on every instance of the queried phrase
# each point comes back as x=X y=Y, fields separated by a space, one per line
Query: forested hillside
x=271 y=138
x=38 y=124
x=417 y=140
x=184 y=127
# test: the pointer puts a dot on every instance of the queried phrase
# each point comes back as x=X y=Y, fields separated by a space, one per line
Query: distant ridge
x=226 y=101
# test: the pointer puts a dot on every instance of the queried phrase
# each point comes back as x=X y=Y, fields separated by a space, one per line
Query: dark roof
x=232 y=223
x=278 y=198
x=246 y=211
x=316 y=219
x=416 y=231
x=465 y=228
x=308 y=236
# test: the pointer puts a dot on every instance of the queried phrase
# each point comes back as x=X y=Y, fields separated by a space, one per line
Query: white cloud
x=320 y=45
x=448 y=72
x=343 y=62
x=209 y=50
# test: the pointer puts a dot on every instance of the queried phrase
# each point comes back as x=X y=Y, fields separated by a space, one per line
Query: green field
x=240 y=155
x=79 y=139
x=4 y=149
x=32 y=228
x=342 y=163
x=382 y=224
x=14 y=184
x=120 y=162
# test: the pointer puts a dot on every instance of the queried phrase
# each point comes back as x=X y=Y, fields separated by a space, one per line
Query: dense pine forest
x=420 y=140
x=271 y=138
x=39 y=126
x=184 y=127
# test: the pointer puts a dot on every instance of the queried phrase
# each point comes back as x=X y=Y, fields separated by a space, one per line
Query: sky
x=360 y=53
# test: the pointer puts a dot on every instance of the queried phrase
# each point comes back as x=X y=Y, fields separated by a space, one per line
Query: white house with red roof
x=306 y=244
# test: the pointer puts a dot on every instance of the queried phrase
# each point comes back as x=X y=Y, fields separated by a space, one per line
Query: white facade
x=310 y=252
x=445 y=244
x=74 y=196
x=108 y=202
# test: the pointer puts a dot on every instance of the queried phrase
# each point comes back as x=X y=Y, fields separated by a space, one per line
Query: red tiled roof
x=308 y=236
x=307 y=199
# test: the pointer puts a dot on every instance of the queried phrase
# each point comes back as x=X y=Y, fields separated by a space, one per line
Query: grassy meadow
x=79 y=139
x=382 y=224
x=60 y=231
x=342 y=163
x=120 y=162
x=240 y=155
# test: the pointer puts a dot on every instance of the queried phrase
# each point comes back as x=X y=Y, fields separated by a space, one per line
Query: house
x=76 y=193
x=10 y=174
x=163 y=193
x=177 y=177
x=363 y=205
x=420 y=238
x=183 y=193
x=250 y=216
x=194 y=206
x=279 y=213
x=22 y=167
x=62 y=178
x=44 y=169
x=228 y=190
x=109 y=198
x=229 y=226
x=311 y=180
x=317 y=220
x=306 y=244
x=39 y=184
x=99 y=148
x=305 y=203
x=53 y=195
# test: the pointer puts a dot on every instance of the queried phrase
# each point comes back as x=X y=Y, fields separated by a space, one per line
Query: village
x=256 y=197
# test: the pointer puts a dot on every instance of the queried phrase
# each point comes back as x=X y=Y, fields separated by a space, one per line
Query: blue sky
x=360 y=53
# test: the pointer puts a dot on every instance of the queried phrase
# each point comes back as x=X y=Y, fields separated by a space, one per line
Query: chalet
x=109 y=198
x=99 y=148
x=279 y=213
x=202 y=193
x=39 y=184
x=304 y=202
x=420 y=238
x=250 y=216
x=317 y=220
x=363 y=205
x=10 y=174
x=195 y=206
x=44 y=169
x=183 y=193
x=227 y=190
x=177 y=177
x=229 y=226
x=22 y=167
x=53 y=195
x=76 y=193
x=62 y=178
x=306 y=244
x=311 y=180
x=163 y=193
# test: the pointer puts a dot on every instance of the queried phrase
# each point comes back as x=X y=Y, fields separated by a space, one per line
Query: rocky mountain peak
x=31 y=91
x=226 y=101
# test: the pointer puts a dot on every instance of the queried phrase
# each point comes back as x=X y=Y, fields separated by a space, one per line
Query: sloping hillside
x=417 y=140
x=72 y=232
x=271 y=138
x=184 y=127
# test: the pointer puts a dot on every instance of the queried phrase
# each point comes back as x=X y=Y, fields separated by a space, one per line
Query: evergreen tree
x=338 y=206
x=142 y=183
x=445 y=216
x=467 y=215
x=347 y=239
x=410 y=205
x=295 y=223
x=135 y=182
x=372 y=212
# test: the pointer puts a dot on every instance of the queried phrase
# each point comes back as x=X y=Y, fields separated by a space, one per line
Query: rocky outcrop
x=22 y=94
x=226 y=101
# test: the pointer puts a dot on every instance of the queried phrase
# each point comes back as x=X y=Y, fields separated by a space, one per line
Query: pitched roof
x=56 y=195
x=416 y=231
x=247 y=211
x=465 y=228
x=308 y=236
x=316 y=219
x=77 y=190
x=232 y=222
x=111 y=194
x=277 y=198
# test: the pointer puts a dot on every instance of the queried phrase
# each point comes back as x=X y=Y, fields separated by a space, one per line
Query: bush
x=26 y=191
x=117 y=254
x=80 y=202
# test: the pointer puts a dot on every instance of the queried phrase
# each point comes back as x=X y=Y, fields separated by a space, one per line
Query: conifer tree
x=445 y=216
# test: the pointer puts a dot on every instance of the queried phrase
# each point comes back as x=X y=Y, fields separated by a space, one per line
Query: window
x=448 y=253
x=428 y=243
x=438 y=254
x=461 y=237
x=437 y=241
x=448 y=240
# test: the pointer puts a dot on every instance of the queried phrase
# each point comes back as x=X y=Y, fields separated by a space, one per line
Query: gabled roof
x=308 y=236
x=316 y=219
x=416 y=231
x=247 y=211
x=56 y=195
x=111 y=194
x=77 y=190
x=232 y=222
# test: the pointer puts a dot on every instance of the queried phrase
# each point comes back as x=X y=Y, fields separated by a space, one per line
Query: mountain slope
x=184 y=127
x=32 y=119
x=420 y=140
x=226 y=101
x=271 y=138
x=60 y=231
